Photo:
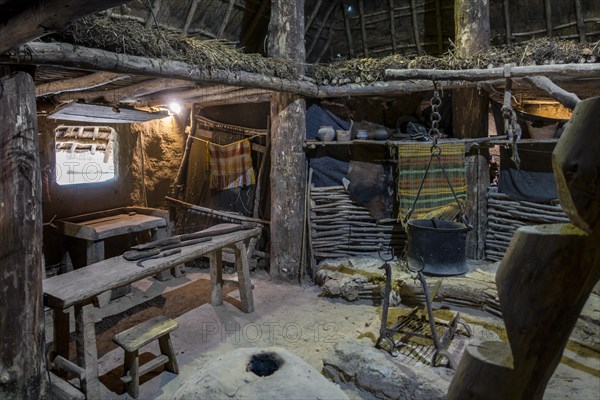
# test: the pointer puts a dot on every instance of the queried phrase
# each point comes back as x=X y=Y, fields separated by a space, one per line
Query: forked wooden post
x=545 y=278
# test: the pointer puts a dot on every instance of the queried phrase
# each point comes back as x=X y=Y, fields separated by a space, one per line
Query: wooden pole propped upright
x=22 y=355
x=470 y=108
x=288 y=161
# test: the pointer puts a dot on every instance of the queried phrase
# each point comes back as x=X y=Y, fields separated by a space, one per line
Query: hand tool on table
x=143 y=251
x=159 y=255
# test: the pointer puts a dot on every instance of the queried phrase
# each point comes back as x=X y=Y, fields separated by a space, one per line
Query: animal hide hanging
x=371 y=187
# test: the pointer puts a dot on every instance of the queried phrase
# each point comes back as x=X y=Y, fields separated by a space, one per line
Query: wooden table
x=80 y=287
x=94 y=228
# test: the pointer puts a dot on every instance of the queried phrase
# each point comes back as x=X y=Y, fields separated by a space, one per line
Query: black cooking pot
x=439 y=245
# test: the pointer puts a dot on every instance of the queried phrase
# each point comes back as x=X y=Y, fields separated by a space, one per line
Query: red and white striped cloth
x=230 y=165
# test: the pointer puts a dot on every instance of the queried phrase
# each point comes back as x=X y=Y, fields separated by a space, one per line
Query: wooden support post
x=580 y=21
x=415 y=26
x=87 y=353
x=548 y=14
x=349 y=31
x=243 y=273
x=287 y=137
x=478 y=181
x=538 y=325
x=363 y=30
x=472 y=26
x=216 y=277
x=22 y=358
x=470 y=110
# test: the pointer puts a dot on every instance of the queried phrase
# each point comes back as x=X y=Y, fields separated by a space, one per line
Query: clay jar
x=381 y=134
x=326 y=133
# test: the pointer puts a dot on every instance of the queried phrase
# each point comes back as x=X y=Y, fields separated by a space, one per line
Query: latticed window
x=85 y=154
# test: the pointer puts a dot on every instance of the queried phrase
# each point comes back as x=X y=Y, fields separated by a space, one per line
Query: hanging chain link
x=435 y=102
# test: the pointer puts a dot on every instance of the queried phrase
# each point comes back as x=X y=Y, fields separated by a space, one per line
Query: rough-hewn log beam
x=392 y=25
x=562 y=70
x=288 y=160
x=565 y=98
x=251 y=98
x=22 y=356
x=44 y=17
x=86 y=82
x=127 y=92
x=418 y=80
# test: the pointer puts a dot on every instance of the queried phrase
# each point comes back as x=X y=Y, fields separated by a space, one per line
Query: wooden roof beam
x=128 y=92
x=318 y=34
x=44 y=17
x=86 y=82
x=184 y=95
x=226 y=18
x=190 y=17
x=70 y=56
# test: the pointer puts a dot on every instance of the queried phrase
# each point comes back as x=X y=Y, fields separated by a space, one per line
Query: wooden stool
x=140 y=335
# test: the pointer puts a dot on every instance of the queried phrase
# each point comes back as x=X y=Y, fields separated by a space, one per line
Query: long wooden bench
x=131 y=340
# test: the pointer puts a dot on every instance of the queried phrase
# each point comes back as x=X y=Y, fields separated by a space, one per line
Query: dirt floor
x=290 y=316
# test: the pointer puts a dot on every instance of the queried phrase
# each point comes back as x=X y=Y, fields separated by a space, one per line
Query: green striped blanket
x=436 y=198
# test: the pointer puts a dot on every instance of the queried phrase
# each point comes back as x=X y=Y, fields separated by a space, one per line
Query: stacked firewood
x=342 y=228
x=506 y=215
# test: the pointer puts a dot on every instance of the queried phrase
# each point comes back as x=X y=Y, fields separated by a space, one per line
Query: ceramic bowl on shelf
x=343 y=136
x=362 y=134
x=326 y=133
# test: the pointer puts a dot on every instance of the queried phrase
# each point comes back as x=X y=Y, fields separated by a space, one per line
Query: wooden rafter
x=328 y=43
x=86 y=82
x=152 y=16
x=438 y=26
x=257 y=17
x=236 y=97
x=312 y=17
x=548 y=13
x=392 y=26
x=190 y=17
x=507 y=22
x=363 y=30
x=348 y=30
x=127 y=92
x=226 y=18
x=318 y=34
x=42 y=18
x=580 y=21
x=190 y=94
x=415 y=26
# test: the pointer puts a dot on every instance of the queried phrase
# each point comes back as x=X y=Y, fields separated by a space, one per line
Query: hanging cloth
x=436 y=199
x=230 y=165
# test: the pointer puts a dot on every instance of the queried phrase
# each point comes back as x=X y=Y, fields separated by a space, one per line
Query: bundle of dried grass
x=131 y=37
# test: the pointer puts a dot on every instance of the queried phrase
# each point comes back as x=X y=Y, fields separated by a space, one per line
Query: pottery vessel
x=326 y=133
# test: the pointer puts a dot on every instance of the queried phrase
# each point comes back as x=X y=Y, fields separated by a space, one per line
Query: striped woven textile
x=230 y=165
x=436 y=199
